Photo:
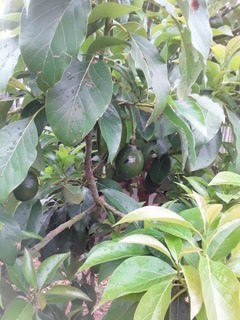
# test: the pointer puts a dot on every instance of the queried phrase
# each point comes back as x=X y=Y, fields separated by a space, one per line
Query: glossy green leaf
x=224 y=240
x=111 y=130
x=110 y=251
x=64 y=294
x=190 y=65
x=15 y=273
x=182 y=125
x=10 y=234
x=214 y=115
x=174 y=229
x=9 y=53
x=51 y=33
x=174 y=245
x=48 y=268
x=136 y=274
x=198 y=21
x=226 y=178
x=152 y=213
x=213 y=211
x=220 y=290
x=120 y=200
x=146 y=58
x=191 y=275
x=104 y=42
x=146 y=241
x=193 y=113
x=207 y=153
x=155 y=302
x=28 y=269
x=19 y=151
x=110 y=10
x=18 y=309
x=234 y=119
x=121 y=309
x=78 y=100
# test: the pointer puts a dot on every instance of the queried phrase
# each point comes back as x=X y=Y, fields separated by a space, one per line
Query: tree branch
x=52 y=234
x=91 y=180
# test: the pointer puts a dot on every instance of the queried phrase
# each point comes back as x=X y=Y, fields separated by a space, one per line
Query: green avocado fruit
x=129 y=162
x=28 y=188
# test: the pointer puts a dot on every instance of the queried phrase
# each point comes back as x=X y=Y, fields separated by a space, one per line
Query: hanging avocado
x=129 y=162
x=28 y=188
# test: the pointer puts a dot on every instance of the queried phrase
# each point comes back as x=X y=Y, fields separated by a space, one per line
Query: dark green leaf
x=110 y=251
x=28 y=269
x=207 y=153
x=9 y=53
x=136 y=274
x=48 y=268
x=111 y=130
x=18 y=309
x=220 y=290
x=155 y=302
x=121 y=309
x=51 y=33
x=104 y=42
x=110 y=10
x=18 y=151
x=64 y=294
x=120 y=200
x=78 y=100
x=182 y=125
x=15 y=273
x=190 y=65
x=146 y=58
x=10 y=234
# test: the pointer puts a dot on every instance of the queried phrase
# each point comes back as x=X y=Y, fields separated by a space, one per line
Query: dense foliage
x=119 y=135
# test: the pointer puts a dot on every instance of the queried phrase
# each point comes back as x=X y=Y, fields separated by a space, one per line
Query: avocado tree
x=106 y=107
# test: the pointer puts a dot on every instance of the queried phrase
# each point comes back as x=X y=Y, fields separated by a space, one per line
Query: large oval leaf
x=51 y=32
x=18 y=309
x=78 y=100
x=10 y=234
x=111 y=129
x=120 y=200
x=192 y=279
x=226 y=178
x=220 y=290
x=18 y=151
x=152 y=213
x=110 y=10
x=147 y=241
x=136 y=274
x=48 y=268
x=155 y=302
x=146 y=58
x=9 y=53
x=224 y=240
x=64 y=294
x=28 y=269
x=198 y=22
x=110 y=251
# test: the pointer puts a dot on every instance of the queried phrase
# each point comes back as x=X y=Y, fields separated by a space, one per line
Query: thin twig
x=91 y=180
x=52 y=234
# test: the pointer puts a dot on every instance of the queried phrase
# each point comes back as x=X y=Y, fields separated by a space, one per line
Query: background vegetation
x=119 y=135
